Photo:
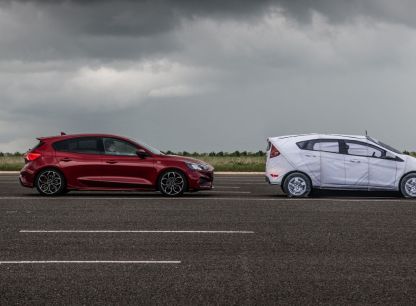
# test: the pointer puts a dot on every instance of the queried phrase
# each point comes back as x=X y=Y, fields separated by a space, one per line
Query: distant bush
x=219 y=154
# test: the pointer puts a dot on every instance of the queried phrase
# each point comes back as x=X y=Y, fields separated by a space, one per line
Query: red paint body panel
x=84 y=171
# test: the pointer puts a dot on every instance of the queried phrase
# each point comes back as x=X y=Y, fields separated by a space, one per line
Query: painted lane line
x=90 y=262
x=137 y=231
x=224 y=191
x=239 y=183
x=226 y=187
x=277 y=200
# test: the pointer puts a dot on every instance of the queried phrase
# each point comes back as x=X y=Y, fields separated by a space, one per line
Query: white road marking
x=227 y=187
x=136 y=231
x=282 y=199
x=90 y=262
x=240 y=179
x=239 y=183
x=233 y=192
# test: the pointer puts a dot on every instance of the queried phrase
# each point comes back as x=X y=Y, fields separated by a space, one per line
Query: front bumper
x=201 y=180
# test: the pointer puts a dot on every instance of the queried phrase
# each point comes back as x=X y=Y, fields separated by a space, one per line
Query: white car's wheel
x=408 y=186
x=297 y=185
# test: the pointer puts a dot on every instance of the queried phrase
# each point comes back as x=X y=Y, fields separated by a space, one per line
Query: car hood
x=187 y=159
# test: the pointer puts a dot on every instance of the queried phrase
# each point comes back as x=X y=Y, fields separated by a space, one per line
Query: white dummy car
x=299 y=163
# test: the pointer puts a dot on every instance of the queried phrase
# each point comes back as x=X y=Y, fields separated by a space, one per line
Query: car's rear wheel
x=172 y=183
x=50 y=182
x=408 y=186
x=297 y=185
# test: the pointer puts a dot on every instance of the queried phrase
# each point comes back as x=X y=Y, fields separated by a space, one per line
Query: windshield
x=149 y=148
x=386 y=146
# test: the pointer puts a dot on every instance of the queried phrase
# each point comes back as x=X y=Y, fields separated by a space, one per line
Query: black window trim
x=318 y=140
x=342 y=147
x=83 y=153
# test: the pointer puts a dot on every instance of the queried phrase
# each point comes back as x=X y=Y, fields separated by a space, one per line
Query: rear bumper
x=201 y=180
x=271 y=178
x=27 y=177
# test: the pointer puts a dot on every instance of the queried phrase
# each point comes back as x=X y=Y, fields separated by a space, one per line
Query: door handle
x=111 y=162
x=355 y=161
x=310 y=155
x=66 y=159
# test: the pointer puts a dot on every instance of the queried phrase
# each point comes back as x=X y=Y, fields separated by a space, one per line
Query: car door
x=332 y=163
x=123 y=168
x=356 y=164
x=80 y=160
x=310 y=160
x=382 y=168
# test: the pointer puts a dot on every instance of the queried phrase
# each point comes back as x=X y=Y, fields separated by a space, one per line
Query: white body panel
x=338 y=162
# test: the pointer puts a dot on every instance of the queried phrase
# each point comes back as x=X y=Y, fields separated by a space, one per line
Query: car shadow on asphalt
x=321 y=194
x=123 y=194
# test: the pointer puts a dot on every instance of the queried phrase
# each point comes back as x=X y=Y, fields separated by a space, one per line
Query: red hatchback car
x=107 y=162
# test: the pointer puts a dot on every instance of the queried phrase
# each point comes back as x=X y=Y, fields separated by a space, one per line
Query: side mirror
x=142 y=153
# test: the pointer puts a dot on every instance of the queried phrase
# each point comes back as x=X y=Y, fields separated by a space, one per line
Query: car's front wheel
x=297 y=185
x=408 y=186
x=172 y=183
x=50 y=182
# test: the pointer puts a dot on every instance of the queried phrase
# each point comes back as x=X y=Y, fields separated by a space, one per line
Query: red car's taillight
x=32 y=156
x=274 y=152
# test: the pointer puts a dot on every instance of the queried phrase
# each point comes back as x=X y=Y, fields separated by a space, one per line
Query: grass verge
x=11 y=163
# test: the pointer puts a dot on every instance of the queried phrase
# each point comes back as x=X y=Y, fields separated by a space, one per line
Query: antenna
x=366 y=134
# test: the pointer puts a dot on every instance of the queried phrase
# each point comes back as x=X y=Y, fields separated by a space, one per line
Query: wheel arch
x=403 y=176
x=295 y=171
x=49 y=167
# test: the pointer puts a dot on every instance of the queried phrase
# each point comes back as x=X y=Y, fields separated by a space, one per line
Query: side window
x=302 y=145
x=331 y=146
x=86 y=145
x=307 y=144
x=362 y=149
x=114 y=146
x=374 y=152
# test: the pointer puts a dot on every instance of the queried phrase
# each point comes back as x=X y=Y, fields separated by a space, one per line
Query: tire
x=297 y=185
x=50 y=182
x=408 y=186
x=172 y=183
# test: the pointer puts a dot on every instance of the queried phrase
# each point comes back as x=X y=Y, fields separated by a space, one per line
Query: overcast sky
x=207 y=75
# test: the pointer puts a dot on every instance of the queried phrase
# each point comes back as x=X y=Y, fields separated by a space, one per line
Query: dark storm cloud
x=145 y=17
x=233 y=71
x=125 y=29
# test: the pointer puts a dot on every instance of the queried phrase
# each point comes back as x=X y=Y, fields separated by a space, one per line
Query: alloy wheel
x=50 y=182
x=172 y=183
x=410 y=187
x=297 y=186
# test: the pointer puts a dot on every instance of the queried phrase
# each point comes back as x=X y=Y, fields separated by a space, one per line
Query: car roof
x=306 y=136
x=62 y=137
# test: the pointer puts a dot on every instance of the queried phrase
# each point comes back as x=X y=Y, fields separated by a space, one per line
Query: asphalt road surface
x=243 y=243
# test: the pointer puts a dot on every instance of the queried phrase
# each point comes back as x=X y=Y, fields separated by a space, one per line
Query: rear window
x=37 y=146
x=86 y=145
